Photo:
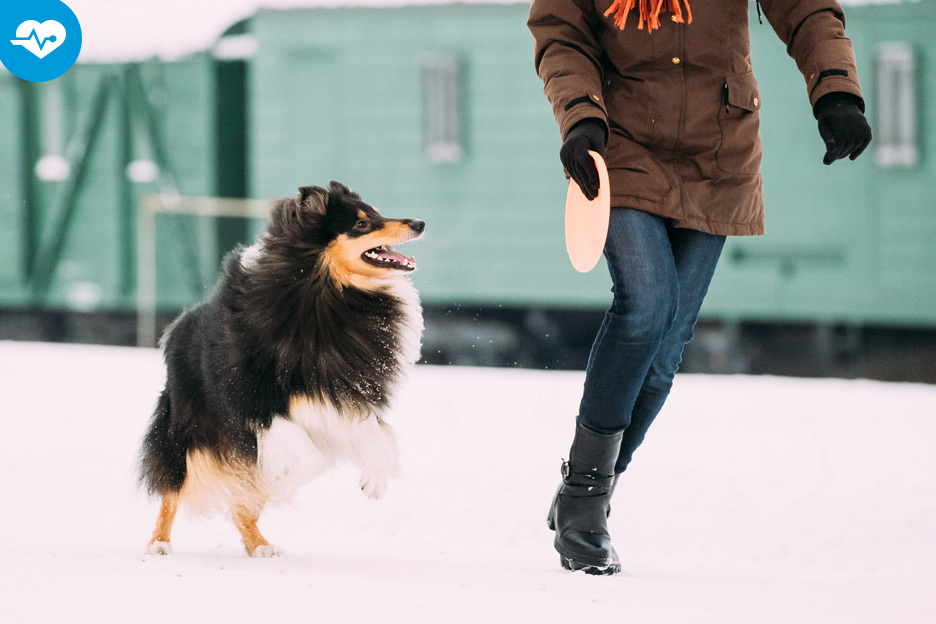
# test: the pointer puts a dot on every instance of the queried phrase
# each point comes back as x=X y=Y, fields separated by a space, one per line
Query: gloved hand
x=588 y=134
x=842 y=126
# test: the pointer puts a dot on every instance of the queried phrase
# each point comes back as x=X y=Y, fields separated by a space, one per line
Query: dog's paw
x=374 y=486
x=265 y=551
x=377 y=451
x=159 y=548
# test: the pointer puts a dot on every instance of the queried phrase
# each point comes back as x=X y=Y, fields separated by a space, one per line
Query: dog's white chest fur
x=314 y=436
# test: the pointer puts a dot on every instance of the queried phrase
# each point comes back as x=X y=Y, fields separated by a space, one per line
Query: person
x=669 y=99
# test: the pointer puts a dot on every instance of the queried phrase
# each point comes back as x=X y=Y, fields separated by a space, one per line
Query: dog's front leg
x=376 y=446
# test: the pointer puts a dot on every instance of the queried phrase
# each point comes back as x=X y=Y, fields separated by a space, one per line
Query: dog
x=288 y=367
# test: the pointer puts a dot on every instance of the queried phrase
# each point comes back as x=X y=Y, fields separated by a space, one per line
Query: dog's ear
x=337 y=189
x=313 y=198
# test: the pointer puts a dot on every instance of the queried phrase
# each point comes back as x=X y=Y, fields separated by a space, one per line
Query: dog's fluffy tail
x=163 y=456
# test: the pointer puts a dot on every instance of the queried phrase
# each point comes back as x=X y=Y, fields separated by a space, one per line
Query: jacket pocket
x=631 y=103
x=739 y=121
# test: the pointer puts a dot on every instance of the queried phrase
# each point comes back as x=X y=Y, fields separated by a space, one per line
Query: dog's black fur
x=297 y=315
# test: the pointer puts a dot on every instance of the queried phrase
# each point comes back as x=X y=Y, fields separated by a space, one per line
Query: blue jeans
x=660 y=276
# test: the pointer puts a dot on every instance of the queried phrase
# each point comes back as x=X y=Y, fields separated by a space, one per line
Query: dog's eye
x=361 y=226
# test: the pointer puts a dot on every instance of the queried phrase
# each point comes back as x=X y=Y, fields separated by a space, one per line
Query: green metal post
x=231 y=138
x=126 y=195
x=29 y=148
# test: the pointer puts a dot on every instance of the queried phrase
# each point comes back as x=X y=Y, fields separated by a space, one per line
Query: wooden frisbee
x=586 y=222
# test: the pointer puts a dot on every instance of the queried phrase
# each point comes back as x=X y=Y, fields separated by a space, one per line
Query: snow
x=755 y=499
x=172 y=29
x=130 y=30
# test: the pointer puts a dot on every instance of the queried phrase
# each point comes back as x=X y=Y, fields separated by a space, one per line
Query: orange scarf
x=648 y=14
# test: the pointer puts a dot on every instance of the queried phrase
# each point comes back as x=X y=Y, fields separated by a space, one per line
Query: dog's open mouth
x=386 y=258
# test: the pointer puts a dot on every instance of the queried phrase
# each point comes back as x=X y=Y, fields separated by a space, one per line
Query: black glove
x=842 y=126
x=588 y=134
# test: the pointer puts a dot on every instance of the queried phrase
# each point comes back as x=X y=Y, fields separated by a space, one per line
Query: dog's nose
x=416 y=225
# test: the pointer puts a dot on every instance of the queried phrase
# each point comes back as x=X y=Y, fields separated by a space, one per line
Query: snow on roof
x=125 y=30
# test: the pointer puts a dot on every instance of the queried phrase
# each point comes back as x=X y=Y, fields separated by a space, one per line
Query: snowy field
x=755 y=500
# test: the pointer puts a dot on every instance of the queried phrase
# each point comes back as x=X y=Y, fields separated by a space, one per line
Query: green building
x=434 y=111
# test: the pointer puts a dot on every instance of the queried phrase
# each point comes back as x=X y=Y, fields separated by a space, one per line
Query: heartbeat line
x=33 y=36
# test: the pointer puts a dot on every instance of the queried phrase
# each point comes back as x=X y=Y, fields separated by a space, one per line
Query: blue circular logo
x=39 y=39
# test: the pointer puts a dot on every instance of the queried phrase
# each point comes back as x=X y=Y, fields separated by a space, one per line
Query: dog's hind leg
x=376 y=446
x=254 y=542
x=159 y=543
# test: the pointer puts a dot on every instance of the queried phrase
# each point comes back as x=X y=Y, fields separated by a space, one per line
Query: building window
x=442 y=109
x=895 y=134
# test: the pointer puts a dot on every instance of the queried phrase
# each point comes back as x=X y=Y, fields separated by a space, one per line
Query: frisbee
x=586 y=222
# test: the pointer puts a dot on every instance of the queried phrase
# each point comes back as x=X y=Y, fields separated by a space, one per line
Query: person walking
x=668 y=97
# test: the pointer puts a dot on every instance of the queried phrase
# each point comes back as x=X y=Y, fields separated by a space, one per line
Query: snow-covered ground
x=754 y=500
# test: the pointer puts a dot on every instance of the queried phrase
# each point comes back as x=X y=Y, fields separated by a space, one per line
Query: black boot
x=579 y=512
x=614 y=482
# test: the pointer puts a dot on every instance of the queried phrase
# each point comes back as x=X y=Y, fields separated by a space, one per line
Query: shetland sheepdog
x=288 y=367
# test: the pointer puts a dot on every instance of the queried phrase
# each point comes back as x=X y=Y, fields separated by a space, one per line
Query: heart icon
x=40 y=39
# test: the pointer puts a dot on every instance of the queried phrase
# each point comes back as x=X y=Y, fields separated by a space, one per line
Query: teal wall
x=851 y=242
x=184 y=97
x=338 y=94
x=11 y=226
x=96 y=264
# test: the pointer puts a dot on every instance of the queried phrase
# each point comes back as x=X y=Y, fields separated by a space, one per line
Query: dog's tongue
x=397 y=257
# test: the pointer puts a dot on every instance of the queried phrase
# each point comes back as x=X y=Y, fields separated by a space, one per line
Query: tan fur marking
x=342 y=258
x=167 y=513
x=246 y=522
x=212 y=486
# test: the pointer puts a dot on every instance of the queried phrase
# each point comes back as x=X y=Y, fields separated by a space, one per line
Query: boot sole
x=574 y=561
x=574 y=566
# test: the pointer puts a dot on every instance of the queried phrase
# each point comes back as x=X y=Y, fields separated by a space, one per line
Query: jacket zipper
x=682 y=78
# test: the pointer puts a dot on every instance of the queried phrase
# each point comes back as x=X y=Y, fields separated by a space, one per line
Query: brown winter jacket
x=681 y=103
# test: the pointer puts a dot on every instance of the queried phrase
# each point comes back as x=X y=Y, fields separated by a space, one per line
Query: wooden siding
x=97 y=258
x=338 y=94
x=11 y=222
x=852 y=242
